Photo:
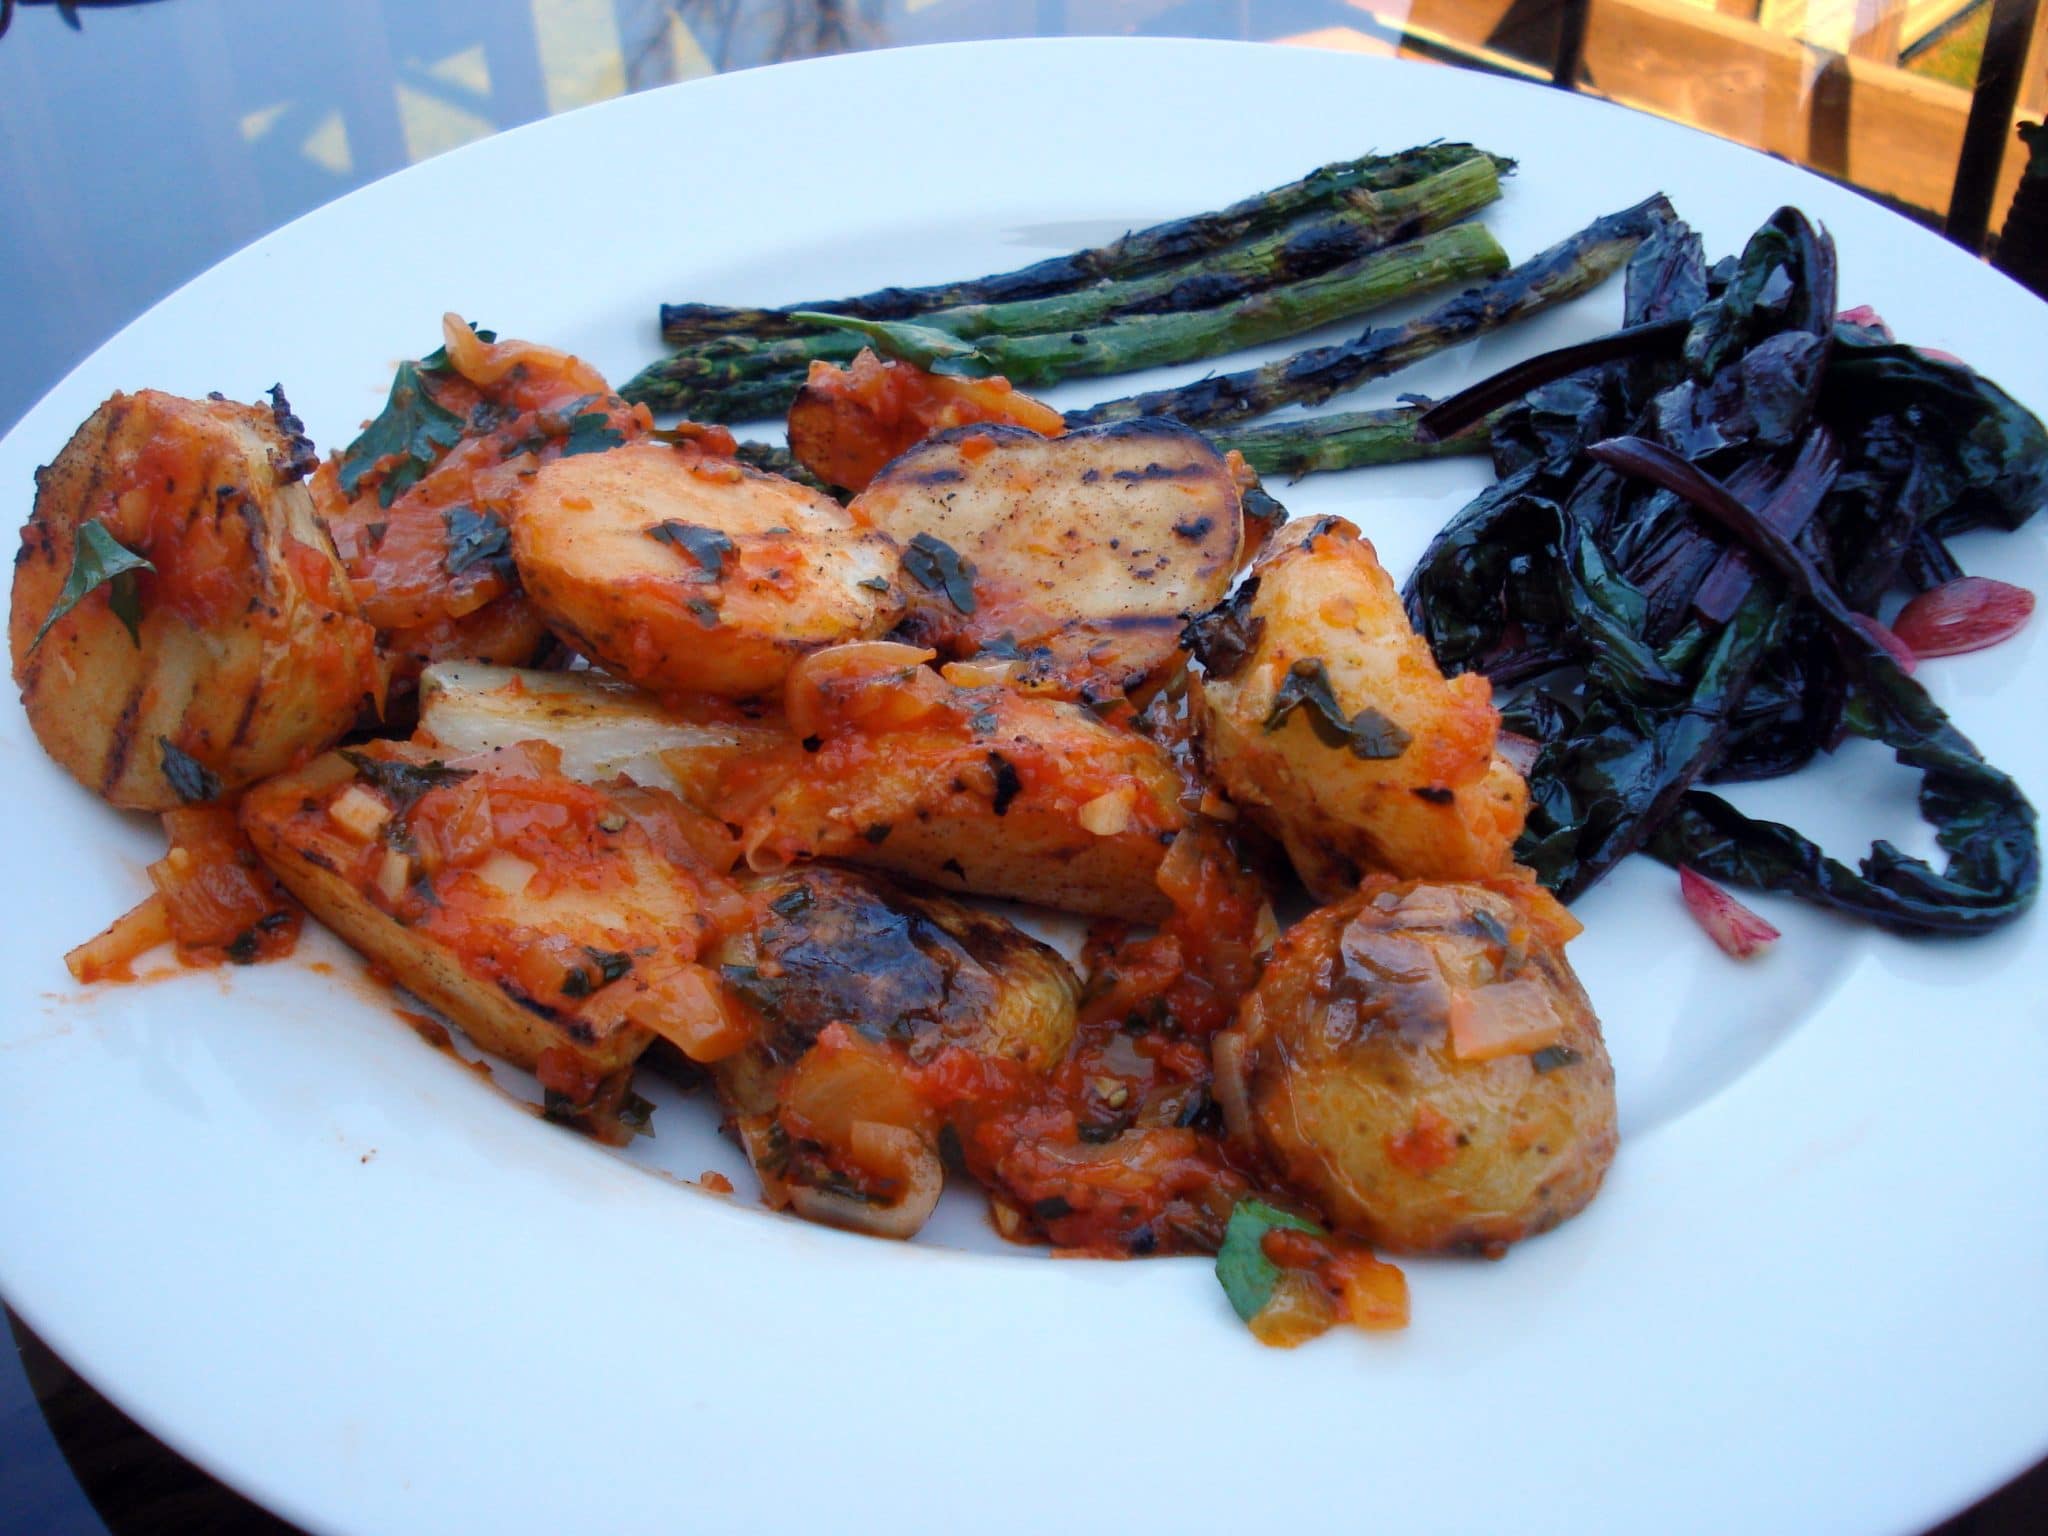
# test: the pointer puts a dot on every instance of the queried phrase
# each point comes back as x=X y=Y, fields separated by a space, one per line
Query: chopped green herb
x=636 y=1114
x=1008 y=785
x=707 y=546
x=611 y=963
x=412 y=427
x=1551 y=1057
x=1491 y=926
x=1223 y=639
x=561 y=1109
x=403 y=782
x=577 y=983
x=1369 y=734
x=874 y=584
x=192 y=781
x=878 y=833
x=791 y=901
x=1247 y=1275
x=938 y=567
x=97 y=559
x=477 y=538
x=756 y=990
x=591 y=432
x=704 y=611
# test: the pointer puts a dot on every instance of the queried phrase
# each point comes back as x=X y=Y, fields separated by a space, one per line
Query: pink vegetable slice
x=1738 y=931
x=1966 y=614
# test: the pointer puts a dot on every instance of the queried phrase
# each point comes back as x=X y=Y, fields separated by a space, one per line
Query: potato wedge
x=1324 y=716
x=601 y=726
x=247 y=653
x=693 y=575
x=548 y=918
x=855 y=986
x=971 y=788
x=1082 y=552
x=1420 y=1062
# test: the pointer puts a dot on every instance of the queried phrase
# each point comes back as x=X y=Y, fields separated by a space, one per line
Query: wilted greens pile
x=1654 y=642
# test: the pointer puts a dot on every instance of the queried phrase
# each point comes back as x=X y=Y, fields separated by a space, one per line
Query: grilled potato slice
x=1420 y=1062
x=963 y=783
x=557 y=923
x=854 y=985
x=1082 y=552
x=1325 y=717
x=693 y=575
x=601 y=726
x=248 y=652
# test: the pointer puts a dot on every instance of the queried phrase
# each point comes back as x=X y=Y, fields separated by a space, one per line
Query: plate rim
x=55 y=1331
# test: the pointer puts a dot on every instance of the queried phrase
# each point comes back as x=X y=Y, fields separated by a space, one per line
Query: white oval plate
x=341 y=1272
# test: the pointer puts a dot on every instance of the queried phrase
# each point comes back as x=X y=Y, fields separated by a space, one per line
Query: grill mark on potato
x=245 y=720
x=121 y=741
x=253 y=527
x=1157 y=471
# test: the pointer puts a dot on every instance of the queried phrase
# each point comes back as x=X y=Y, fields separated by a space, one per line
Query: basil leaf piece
x=1246 y=1274
x=412 y=428
x=404 y=782
x=477 y=538
x=191 y=780
x=636 y=1114
x=791 y=901
x=1223 y=638
x=591 y=432
x=611 y=963
x=938 y=567
x=97 y=559
x=707 y=546
x=1369 y=734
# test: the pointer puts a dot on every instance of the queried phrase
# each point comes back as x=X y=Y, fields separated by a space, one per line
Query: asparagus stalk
x=1305 y=248
x=1565 y=271
x=1151 y=341
x=1145 y=250
x=1347 y=440
x=1305 y=446
x=713 y=369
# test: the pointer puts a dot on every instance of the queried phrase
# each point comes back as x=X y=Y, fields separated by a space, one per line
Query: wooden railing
x=1741 y=69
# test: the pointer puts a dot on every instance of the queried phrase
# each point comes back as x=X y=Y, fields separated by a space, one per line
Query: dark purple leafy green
x=1680 y=607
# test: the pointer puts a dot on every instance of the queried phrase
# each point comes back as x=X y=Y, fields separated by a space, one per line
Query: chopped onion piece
x=394 y=874
x=1110 y=812
x=1966 y=614
x=359 y=813
x=1502 y=1018
x=506 y=873
x=1739 y=931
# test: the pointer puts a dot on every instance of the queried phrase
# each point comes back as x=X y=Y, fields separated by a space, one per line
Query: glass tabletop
x=143 y=140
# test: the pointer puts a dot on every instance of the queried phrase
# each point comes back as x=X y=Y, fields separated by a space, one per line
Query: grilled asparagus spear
x=720 y=383
x=721 y=369
x=1346 y=440
x=1145 y=250
x=1565 y=271
x=1305 y=446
